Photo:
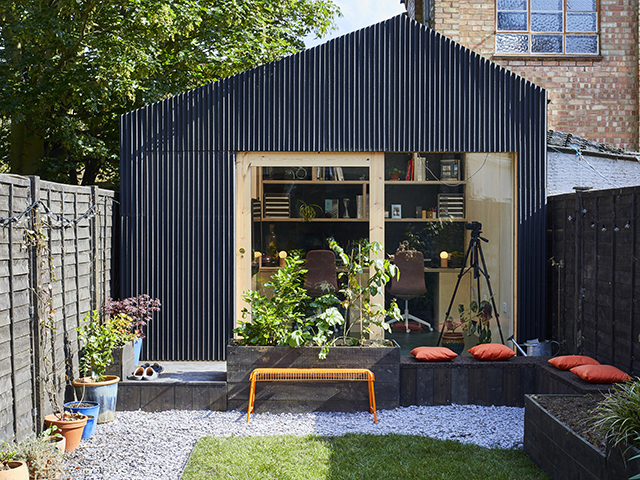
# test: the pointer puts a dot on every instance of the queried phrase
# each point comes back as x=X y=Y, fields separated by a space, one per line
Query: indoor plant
x=98 y=341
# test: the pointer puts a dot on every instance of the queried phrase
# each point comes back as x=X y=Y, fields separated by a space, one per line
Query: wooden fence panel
x=593 y=280
x=81 y=280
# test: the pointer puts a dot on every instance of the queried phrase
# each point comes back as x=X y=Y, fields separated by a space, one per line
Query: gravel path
x=140 y=445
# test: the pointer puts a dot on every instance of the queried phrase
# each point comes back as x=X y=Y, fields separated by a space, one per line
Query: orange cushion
x=567 y=362
x=600 y=373
x=433 y=354
x=491 y=351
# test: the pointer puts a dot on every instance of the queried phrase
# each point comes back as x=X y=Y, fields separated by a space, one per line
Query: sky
x=357 y=14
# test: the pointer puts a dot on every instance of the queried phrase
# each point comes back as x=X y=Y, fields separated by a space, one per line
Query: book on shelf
x=420 y=169
x=339 y=174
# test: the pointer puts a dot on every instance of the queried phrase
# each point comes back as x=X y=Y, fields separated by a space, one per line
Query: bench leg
x=372 y=402
x=252 y=397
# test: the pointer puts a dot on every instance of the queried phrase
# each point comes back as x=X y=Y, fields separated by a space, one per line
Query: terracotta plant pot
x=71 y=430
x=17 y=471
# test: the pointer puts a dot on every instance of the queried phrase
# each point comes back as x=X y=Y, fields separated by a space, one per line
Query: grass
x=353 y=456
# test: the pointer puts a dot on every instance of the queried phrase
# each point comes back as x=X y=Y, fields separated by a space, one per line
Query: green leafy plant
x=365 y=274
x=617 y=417
x=282 y=317
x=308 y=211
x=99 y=339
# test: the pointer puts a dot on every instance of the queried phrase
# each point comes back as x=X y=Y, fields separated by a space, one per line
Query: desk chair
x=410 y=284
x=321 y=271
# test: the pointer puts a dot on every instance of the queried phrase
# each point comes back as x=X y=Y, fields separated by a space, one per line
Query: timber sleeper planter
x=384 y=362
x=563 y=454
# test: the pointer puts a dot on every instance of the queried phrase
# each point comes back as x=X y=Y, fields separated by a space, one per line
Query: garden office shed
x=215 y=177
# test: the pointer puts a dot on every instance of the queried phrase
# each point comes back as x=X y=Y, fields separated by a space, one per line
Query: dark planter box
x=123 y=362
x=562 y=454
x=307 y=396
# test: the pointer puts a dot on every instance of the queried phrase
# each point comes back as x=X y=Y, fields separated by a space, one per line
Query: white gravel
x=140 y=445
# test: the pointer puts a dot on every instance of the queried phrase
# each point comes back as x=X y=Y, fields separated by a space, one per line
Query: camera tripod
x=475 y=256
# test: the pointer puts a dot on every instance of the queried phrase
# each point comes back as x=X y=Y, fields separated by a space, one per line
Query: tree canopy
x=70 y=68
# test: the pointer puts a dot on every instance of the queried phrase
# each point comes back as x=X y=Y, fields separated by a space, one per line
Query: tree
x=70 y=68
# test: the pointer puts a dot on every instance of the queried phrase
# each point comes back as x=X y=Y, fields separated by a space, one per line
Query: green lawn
x=353 y=456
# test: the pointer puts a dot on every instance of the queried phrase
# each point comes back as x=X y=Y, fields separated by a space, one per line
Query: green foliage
x=39 y=453
x=281 y=318
x=617 y=417
x=365 y=274
x=70 y=68
x=99 y=339
x=353 y=456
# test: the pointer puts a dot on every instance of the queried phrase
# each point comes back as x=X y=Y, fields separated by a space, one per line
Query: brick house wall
x=592 y=97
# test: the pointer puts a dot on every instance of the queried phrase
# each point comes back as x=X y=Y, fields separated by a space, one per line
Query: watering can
x=535 y=348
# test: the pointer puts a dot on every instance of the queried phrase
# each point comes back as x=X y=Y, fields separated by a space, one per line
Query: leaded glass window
x=547 y=27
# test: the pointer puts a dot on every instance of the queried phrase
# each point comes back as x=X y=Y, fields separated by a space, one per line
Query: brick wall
x=593 y=98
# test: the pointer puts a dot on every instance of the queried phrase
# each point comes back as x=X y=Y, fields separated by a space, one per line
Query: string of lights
x=54 y=220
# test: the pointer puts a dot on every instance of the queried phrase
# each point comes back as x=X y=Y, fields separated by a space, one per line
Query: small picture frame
x=331 y=208
x=449 y=170
x=396 y=210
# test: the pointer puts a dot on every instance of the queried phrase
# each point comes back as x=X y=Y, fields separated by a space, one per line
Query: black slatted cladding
x=393 y=86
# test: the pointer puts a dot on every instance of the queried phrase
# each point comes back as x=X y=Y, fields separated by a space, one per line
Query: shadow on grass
x=353 y=456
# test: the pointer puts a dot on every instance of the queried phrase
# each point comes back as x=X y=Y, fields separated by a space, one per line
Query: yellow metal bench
x=312 y=374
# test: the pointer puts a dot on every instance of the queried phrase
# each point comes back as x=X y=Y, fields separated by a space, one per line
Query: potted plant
x=140 y=309
x=308 y=211
x=98 y=341
x=452 y=339
x=474 y=320
x=395 y=174
x=40 y=458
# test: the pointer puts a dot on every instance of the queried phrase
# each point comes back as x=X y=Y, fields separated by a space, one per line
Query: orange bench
x=312 y=374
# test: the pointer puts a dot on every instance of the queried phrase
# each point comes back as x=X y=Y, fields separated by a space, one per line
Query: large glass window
x=547 y=27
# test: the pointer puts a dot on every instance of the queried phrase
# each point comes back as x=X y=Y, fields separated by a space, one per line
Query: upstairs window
x=547 y=27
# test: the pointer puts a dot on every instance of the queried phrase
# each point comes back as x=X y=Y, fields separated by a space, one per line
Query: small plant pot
x=17 y=471
x=90 y=409
x=105 y=393
x=453 y=341
x=394 y=177
x=71 y=430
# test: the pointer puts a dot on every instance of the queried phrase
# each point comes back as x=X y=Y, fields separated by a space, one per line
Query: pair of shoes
x=138 y=374
x=158 y=368
x=149 y=374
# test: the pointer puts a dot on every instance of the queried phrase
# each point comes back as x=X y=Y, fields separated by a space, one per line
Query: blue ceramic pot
x=91 y=412
x=105 y=393
x=137 y=347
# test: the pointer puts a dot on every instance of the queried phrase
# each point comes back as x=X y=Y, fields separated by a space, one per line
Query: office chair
x=321 y=272
x=410 y=284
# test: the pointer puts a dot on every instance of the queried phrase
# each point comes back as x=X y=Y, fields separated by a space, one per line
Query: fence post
x=35 y=280
x=578 y=273
x=95 y=251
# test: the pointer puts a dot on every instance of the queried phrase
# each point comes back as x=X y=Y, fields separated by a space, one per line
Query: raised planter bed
x=562 y=454
x=298 y=397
